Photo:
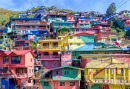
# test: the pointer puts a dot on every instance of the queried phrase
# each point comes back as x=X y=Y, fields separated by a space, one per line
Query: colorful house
x=127 y=24
x=107 y=71
x=58 y=25
x=53 y=18
x=70 y=19
x=94 y=48
x=62 y=78
x=102 y=35
x=84 y=22
x=49 y=51
x=5 y=42
x=93 y=23
x=25 y=25
x=18 y=67
x=125 y=12
x=80 y=39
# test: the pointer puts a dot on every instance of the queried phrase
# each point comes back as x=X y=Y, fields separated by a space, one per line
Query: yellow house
x=5 y=42
x=112 y=39
x=107 y=71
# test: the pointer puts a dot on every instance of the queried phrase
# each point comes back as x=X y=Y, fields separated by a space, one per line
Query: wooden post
x=129 y=74
x=124 y=73
x=105 y=74
x=114 y=76
x=109 y=74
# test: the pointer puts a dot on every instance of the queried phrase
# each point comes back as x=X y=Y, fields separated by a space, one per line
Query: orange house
x=17 y=66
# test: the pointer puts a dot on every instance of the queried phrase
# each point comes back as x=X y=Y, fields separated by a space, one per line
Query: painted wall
x=66 y=59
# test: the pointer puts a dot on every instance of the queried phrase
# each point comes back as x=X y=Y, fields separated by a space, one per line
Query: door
x=55 y=85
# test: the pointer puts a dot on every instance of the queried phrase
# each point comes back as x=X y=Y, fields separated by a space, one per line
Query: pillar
x=129 y=74
x=105 y=74
x=124 y=73
x=114 y=79
x=109 y=74
x=92 y=75
x=90 y=71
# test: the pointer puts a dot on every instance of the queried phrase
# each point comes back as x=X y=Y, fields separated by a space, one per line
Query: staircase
x=12 y=70
x=96 y=73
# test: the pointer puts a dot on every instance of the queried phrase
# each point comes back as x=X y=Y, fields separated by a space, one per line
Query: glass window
x=33 y=26
x=74 y=72
x=29 y=70
x=57 y=72
x=5 y=60
x=78 y=37
x=32 y=70
x=86 y=29
x=86 y=21
x=34 y=20
x=72 y=83
x=55 y=44
x=82 y=21
x=55 y=62
x=5 y=36
x=83 y=30
x=71 y=37
x=78 y=44
x=70 y=43
x=62 y=83
x=1 y=37
x=45 y=62
x=46 y=53
x=45 y=44
x=67 y=24
x=66 y=72
x=91 y=29
x=31 y=60
x=26 y=20
x=28 y=26
x=46 y=84
x=15 y=59
x=55 y=53
x=104 y=34
x=77 y=30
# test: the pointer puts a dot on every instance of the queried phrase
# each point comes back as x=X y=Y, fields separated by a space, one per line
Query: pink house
x=50 y=60
x=70 y=19
x=18 y=65
x=66 y=59
x=84 y=30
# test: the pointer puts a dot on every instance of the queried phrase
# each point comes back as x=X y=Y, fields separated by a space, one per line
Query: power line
x=122 y=4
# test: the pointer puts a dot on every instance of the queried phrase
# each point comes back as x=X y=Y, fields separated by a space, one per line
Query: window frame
x=62 y=83
x=72 y=83
x=15 y=61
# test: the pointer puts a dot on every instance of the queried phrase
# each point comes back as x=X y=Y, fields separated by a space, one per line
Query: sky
x=75 y=5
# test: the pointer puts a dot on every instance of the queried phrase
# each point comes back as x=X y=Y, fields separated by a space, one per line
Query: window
x=29 y=70
x=33 y=26
x=91 y=29
x=102 y=87
x=94 y=58
x=1 y=37
x=86 y=29
x=55 y=44
x=66 y=72
x=83 y=30
x=57 y=72
x=86 y=21
x=74 y=72
x=104 y=34
x=71 y=37
x=5 y=36
x=28 y=26
x=26 y=20
x=55 y=62
x=82 y=21
x=77 y=30
x=31 y=60
x=70 y=43
x=55 y=53
x=32 y=70
x=45 y=44
x=34 y=20
x=15 y=59
x=61 y=24
x=62 y=83
x=5 y=60
x=72 y=83
x=78 y=44
x=46 y=84
x=78 y=37
x=46 y=53
x=67 y=24
x=45 y=62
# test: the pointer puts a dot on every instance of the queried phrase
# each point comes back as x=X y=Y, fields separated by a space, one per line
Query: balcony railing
x=49 y=47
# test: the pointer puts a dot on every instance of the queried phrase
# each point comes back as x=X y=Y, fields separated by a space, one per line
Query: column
x=92 y=75
x=128 y=74
x=90 y=72
x=124 y=73
x=109 y=74
x=105 y=74
x=114 y=79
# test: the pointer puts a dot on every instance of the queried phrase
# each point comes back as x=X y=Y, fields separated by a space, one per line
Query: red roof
x=21 y=52
x=85 y=33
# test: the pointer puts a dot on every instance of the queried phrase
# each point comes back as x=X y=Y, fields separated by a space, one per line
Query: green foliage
x=111 y=9
x=127 y=33
x=34 y=9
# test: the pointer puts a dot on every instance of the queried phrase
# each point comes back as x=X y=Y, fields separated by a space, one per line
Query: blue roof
x=86 y=47
x=24 y=18
x=125 y=48
x=127 y=28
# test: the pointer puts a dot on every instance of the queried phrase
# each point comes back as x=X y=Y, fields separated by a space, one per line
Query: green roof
x=64 y=29
x=66 y=67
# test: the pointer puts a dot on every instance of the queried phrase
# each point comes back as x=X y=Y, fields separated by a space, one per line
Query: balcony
x=49 y=57
x=46 y=48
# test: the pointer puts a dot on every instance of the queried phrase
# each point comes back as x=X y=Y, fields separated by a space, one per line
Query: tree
x=127 y=33
x=111 y=9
